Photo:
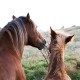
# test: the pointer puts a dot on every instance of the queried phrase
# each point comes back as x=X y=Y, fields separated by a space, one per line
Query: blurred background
x=62 y=15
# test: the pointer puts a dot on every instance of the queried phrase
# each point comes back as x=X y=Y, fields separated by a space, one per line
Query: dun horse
x=17 y=33
x=56 y=70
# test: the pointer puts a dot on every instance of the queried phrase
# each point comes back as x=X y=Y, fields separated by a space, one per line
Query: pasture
x=35 y=66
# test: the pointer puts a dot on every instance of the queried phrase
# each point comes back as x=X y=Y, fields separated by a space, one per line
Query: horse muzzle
x=42 y=45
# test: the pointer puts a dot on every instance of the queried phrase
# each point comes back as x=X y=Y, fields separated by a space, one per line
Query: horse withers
x=17 y=33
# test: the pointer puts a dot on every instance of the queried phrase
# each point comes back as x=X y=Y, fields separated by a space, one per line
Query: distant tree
x=62 y=27
x=74 y=26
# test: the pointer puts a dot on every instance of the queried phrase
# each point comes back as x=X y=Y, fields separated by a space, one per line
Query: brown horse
x=17 y=33
x=56 y=70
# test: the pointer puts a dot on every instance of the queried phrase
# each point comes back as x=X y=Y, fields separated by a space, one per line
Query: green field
x=35 y=66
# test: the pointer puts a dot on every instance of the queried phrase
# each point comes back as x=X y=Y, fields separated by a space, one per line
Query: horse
x=14 y=36
x=56 y=68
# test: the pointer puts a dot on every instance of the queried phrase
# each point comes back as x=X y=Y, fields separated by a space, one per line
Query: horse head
x=35 y=39
x=59 y=39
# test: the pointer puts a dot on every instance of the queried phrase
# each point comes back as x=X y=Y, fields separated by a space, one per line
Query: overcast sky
x=44 y=13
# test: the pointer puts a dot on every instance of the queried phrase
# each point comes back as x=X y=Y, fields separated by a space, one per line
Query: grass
x=76 y=75
x=35 y=70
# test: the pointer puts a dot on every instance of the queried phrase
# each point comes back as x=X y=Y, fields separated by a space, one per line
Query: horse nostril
x=42 y=45
x=44 y=42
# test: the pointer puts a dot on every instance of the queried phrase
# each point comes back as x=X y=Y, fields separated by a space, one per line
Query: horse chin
x=40 y=48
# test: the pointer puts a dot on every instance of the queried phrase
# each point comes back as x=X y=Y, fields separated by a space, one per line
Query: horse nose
x=42 y=45
x=44 y=42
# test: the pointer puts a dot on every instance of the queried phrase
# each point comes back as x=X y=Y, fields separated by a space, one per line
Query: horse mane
x=57 y=54
x=56 y=58
x=56 y=69
x=56 y=65
x=17 y=32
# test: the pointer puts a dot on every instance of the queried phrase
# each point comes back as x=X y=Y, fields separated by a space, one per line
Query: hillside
x=72 y=49
x=35 y=66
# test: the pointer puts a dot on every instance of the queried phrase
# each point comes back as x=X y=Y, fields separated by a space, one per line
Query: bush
x=35 y=70
x=76 y=75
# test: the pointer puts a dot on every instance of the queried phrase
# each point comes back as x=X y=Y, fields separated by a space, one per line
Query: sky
x=45 y=13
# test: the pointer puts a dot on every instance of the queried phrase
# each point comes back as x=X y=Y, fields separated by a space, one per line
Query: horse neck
x=16 y=35
x=56 y=66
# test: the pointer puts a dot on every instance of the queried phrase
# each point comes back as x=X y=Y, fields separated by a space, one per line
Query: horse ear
x=13 y=17
x=53 y=33
x=28 y=16
x=69 y=38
